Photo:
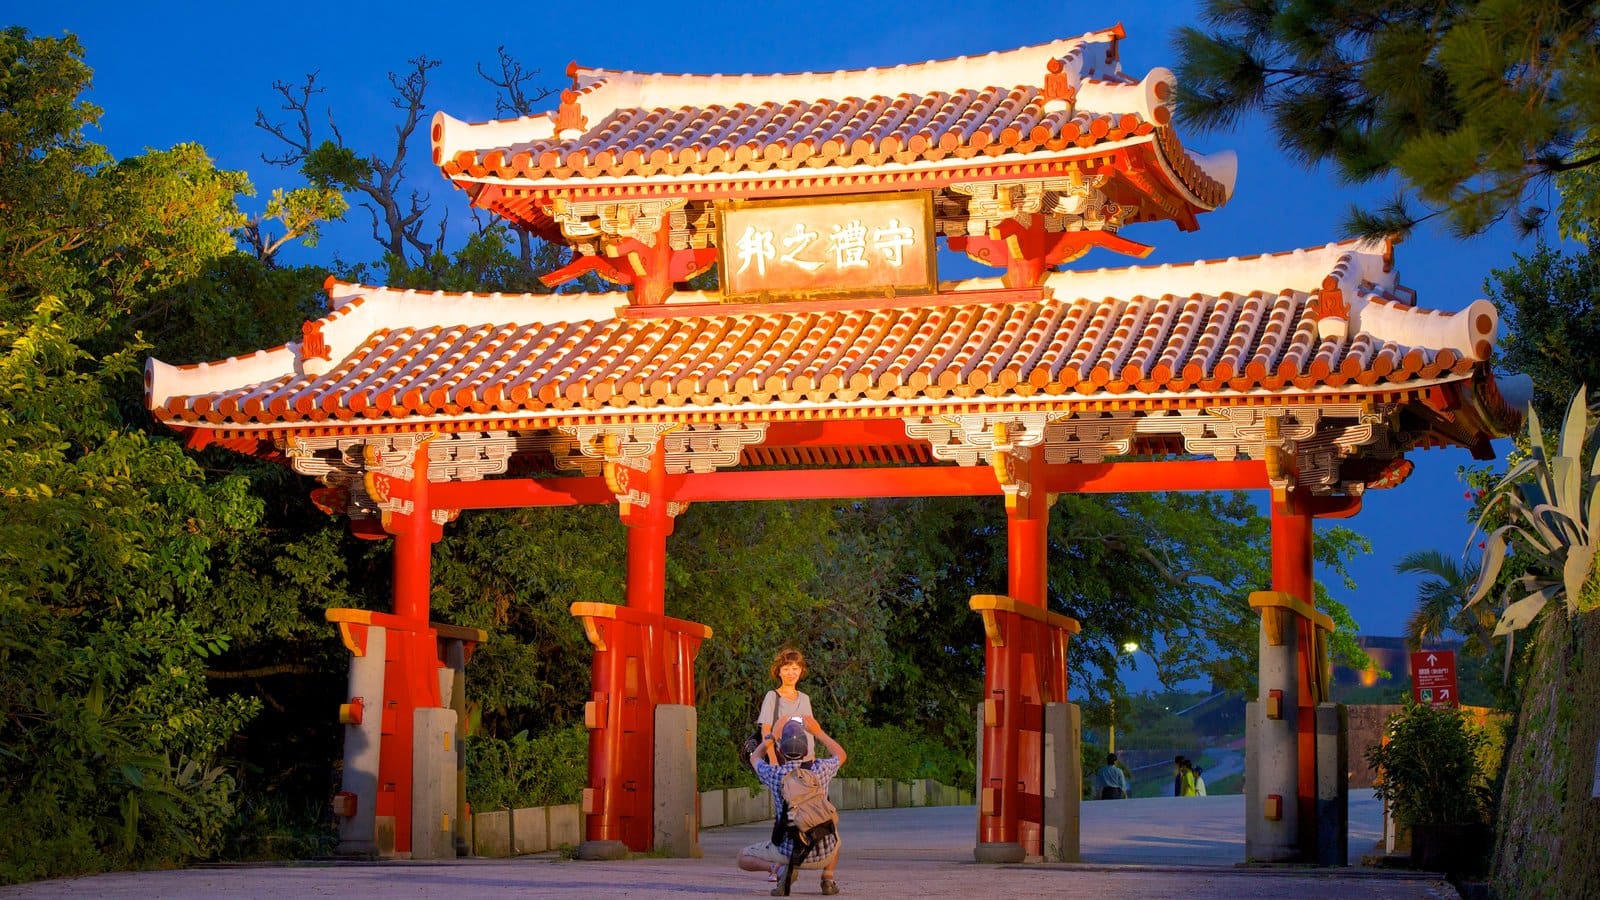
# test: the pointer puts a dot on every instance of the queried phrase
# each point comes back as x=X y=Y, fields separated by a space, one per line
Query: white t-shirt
x=775 y=709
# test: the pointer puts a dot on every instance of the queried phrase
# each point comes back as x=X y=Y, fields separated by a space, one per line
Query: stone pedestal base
x=602 y=850
x=998 y=853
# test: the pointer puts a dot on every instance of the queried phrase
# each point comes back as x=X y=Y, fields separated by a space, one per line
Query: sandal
x=830 y=887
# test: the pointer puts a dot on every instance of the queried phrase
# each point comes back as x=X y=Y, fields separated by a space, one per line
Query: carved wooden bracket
x=708 y=447
x=1028 y=226
x=646 y=245
x=625 y=453
x=346 y=465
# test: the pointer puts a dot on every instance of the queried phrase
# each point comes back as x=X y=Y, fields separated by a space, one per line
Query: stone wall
x=1548 y=833
x=499 y=833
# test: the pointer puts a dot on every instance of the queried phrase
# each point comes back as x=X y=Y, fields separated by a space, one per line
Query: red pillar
x=630 y=675
x=1011 y=764
x=413 y=548
x=648 y=529
x=1292 y=573
x=411 y=680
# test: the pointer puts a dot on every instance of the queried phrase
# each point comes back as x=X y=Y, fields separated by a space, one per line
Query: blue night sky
x=172 y=72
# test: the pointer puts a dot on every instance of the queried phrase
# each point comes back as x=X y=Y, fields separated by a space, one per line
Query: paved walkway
x=1157 y=848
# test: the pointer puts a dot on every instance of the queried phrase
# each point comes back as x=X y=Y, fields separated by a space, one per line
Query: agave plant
x=1551 y=510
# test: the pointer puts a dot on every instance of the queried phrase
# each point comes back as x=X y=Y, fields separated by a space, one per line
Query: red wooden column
x=411 y=679
x=642 y=659
x=1011 y=779
x=1292 y=574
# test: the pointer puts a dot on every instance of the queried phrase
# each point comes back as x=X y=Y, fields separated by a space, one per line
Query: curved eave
x=890 y=408
x=1178 y=187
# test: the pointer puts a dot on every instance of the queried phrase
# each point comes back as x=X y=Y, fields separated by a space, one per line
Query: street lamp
x=1129 y=648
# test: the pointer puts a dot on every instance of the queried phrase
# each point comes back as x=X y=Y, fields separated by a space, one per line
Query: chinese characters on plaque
x=867 y=245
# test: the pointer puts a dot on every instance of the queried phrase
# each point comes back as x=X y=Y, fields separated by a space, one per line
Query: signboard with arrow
x=1433 y=678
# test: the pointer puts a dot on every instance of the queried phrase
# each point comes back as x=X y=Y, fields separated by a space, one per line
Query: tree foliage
x=109 y=732
x=1441 y=600
x=1551 y=303
x=1476 y=107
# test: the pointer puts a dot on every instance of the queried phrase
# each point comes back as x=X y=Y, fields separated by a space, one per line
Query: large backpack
x=806 y=799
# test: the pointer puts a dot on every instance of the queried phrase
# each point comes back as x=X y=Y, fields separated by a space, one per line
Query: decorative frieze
x=708 y=447
x=1074 y=203
x=342 y=464
x=1302 y=446
x=970 y=440
x=587 y=223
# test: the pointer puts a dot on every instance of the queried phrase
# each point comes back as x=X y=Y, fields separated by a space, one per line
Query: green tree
x=1551 y=303
x=111 y=735
x=1441 y=597
x=1476 y=107
x=1171 y=571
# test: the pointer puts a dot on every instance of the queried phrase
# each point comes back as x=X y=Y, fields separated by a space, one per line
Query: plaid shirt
x=772 y=777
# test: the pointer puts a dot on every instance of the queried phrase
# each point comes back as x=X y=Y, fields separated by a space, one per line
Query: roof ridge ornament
x=569 y=119
x=1058 y=95
x=315 y=356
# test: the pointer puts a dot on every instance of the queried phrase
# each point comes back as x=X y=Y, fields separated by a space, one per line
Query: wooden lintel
x=989 y=604
x=589 y=611
x=1289 y=603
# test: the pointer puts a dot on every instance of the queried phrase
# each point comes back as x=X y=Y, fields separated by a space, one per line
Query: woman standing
x=786 y=701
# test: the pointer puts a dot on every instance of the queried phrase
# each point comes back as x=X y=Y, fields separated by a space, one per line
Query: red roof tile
x=618 y=124
x=408 y=357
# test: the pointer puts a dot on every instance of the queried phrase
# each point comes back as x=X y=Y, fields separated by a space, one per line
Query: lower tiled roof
x=967 y=344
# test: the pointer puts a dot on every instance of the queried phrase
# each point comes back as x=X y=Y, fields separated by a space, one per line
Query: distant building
x=1388 y=654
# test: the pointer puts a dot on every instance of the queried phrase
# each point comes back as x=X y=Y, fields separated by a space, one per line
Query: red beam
x=514 y=493
x=846 y=484
x=1142 y=477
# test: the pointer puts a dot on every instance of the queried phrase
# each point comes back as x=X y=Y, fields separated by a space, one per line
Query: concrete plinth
x=358 y=834
x=676 y=827
x=1272 y=827
x=433 y=784
x=1333 y=784
x=998 y=852
x=1063 y=781
x=602 y=850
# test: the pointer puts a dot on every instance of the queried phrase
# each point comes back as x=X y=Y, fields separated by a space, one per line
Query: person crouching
x=792 y=748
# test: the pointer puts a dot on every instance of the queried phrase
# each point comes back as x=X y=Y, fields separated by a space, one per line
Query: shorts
x=768 y=851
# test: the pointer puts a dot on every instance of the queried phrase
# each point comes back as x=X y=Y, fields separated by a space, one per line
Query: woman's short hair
x=786 y=656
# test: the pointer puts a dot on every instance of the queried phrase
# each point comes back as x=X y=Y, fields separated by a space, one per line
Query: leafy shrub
x=271 y=826
x=890 y=751
x=1433 y=767
x=548 y=770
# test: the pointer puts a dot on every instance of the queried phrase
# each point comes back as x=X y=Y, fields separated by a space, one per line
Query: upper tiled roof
x=1327 y=322
x=615 y=124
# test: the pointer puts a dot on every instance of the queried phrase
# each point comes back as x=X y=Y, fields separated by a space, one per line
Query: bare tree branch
x=513 y=97
x=297 y=102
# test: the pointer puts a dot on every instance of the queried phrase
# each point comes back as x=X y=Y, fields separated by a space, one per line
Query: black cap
x=793 y=743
